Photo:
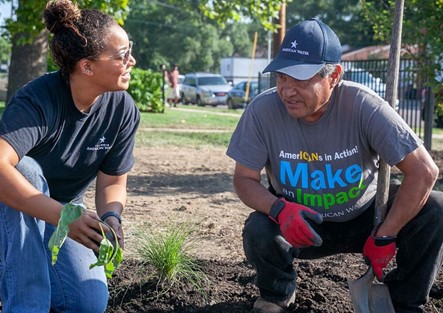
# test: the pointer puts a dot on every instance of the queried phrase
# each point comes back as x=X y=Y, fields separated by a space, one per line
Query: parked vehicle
x=236 y=96
x=181 y=78
x=363 y=77
x=204 y=89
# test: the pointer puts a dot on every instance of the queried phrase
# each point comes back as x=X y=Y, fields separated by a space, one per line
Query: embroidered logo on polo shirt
x=101 y=145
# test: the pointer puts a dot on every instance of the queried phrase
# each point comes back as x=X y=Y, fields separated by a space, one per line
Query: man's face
x=306 y=99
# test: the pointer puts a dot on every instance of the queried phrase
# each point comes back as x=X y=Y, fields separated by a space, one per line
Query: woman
x=57 y=134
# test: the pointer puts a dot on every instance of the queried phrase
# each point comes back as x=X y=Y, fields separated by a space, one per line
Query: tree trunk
x=28 y=61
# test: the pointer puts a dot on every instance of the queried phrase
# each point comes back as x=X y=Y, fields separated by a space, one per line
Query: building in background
x=237 y=69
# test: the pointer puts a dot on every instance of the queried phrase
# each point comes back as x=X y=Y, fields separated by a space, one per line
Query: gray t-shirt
x=331 y=165
x=41 y=121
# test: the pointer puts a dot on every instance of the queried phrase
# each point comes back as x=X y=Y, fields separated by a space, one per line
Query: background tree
x=422 y=31
x=167 y=34
x=223 y=11
x=5 y=50
x=29 y=45
x=27 y=31
x=343 y=16
x=178 y=31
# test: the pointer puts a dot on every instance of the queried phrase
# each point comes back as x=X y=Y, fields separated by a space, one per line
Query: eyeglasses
x=122 y=56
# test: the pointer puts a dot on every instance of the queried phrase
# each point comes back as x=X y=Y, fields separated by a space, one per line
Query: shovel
x=368 y=296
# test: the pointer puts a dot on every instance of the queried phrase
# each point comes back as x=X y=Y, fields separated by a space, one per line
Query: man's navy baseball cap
x=306 y=48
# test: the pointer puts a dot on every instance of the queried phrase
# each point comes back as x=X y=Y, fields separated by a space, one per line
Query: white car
x=204 y=89
x=363 y=77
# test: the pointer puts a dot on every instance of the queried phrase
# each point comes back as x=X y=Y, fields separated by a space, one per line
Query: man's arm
x=420 y=173
x=248 y=186
x=290 y=217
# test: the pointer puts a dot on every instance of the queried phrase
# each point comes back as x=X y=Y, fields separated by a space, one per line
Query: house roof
x=373 y=52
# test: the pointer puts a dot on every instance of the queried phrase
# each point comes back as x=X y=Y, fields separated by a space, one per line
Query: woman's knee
x=94 y=295
x=33 y=173
x=97 y=300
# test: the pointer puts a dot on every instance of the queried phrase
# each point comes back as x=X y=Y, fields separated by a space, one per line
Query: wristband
x=381 y=241
x=276 y=208
x=384 y=240
x=109 y=214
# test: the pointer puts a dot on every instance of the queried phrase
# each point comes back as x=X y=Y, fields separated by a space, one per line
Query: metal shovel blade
x=368 y=296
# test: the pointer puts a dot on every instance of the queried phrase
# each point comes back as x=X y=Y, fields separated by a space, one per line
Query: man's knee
x=262 y=239
x=258 y=227
x=433 y=208
x=429 y=221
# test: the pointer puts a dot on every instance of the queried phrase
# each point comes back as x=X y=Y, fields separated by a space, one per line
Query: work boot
x=264 y=306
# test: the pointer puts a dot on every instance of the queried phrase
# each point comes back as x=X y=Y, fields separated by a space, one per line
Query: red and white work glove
x=378 y=252
x=291 y=217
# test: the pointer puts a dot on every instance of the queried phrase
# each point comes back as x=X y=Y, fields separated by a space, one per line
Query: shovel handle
x=381 y=198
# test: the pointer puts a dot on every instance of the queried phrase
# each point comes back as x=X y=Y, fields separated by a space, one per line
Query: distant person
x=174 y=84
x=58 y=134
x=320 y=139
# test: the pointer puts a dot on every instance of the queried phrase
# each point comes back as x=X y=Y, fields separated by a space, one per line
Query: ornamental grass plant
x=167 y=252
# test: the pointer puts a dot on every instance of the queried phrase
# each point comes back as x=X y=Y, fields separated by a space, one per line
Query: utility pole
x=278 y=37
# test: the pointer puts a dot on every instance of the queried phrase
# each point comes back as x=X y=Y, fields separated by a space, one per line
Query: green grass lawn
x=187 y=126
x=187 y=117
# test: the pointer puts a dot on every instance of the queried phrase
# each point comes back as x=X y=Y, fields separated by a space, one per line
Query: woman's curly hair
x=77 y=34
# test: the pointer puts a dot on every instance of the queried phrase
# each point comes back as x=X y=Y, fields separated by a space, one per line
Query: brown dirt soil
x=174 y=185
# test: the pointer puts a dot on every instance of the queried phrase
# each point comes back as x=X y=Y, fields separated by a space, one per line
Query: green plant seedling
x=110 y=255
x=70 y=213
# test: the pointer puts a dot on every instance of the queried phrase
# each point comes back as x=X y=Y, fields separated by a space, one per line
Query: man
x=320 y=139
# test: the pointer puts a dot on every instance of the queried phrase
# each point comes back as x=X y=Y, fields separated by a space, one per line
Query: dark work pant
x=419 y=254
